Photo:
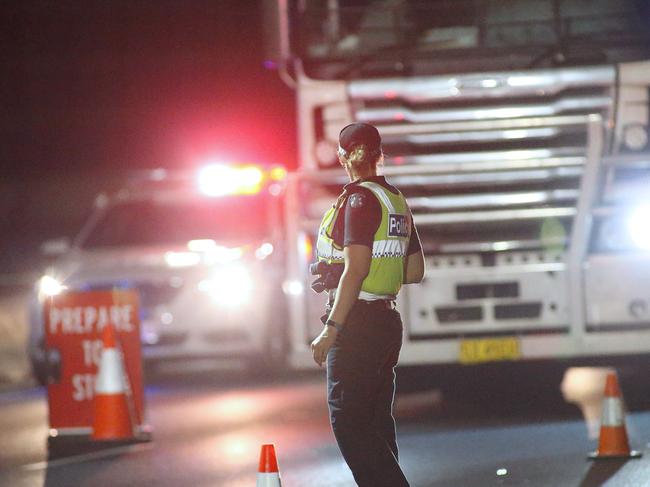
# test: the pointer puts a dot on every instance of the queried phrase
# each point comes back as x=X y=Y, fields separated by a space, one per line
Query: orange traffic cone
x=268 y=474
x=112 y=410
x=613 y=442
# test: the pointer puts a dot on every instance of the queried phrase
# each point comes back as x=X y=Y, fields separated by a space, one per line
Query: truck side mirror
x=55 y=247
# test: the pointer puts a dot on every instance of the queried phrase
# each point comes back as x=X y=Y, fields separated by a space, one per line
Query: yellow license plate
x=489 y=350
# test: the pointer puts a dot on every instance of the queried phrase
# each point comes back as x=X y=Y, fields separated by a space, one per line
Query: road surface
x=208 y=431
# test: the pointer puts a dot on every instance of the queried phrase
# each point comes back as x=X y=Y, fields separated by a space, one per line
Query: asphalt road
x=208 y=431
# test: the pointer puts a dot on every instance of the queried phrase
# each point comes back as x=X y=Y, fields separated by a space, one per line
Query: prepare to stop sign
x=84 y=384
x=86 y=319
x=73 y=326
x=89 y=319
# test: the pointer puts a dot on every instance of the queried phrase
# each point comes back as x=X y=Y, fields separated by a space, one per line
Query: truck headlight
x=638 y=226
x=612 y=236
x=231 y=286
x=629 y=231
x=50 y=286
x=635 y=136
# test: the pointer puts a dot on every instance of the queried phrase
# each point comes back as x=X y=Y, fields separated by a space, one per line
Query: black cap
x=357 y=134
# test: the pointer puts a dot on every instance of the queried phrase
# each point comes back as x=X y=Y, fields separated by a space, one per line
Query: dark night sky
x=92 y=89
x=109 y=85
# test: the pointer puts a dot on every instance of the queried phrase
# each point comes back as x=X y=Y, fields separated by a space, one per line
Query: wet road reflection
x=492 y=429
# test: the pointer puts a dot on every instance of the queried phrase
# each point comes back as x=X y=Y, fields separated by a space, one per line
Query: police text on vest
x=397 y=226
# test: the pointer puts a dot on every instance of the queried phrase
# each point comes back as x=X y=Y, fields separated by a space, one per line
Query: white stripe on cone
x=612 y=412
x=110 y=379
x=268 y=480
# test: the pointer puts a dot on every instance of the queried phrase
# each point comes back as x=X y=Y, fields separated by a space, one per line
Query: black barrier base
x=595 y=456
x=69 y=445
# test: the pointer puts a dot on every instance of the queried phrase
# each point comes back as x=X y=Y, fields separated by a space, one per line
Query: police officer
x=370 y=232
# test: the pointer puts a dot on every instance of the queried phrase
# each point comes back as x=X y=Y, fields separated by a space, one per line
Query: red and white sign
x=73 y=325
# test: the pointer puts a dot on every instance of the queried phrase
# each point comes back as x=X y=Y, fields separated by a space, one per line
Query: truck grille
x=492 y=290
x=487 y=161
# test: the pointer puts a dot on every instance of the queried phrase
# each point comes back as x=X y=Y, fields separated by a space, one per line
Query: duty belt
x=380 y=303
x=384 y=303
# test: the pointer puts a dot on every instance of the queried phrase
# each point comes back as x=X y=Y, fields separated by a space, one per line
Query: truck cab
x=518 y=132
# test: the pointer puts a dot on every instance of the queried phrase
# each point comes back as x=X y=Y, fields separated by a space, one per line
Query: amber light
x=221 y=180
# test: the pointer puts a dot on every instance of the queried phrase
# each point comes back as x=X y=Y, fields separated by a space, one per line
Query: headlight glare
x=50 y=286
x=638 y=226
x=182 y=259
x=231 y=286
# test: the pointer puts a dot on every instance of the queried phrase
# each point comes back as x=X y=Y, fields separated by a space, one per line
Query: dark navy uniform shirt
x=358 y=223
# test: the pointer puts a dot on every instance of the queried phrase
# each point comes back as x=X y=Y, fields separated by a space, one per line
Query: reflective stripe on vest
x=386 y=273
x=326 y=250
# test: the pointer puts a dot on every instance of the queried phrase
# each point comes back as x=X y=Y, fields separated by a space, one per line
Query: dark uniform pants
x=361 y=386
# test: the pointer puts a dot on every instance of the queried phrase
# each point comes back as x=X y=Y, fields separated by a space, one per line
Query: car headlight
x=231 y=286
x=50 y=286
x=182 y=259
x=638 y=226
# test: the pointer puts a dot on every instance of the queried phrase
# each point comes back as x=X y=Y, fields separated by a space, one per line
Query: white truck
x=518 y=131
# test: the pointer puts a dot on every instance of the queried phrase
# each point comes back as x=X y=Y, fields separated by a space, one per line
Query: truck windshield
x=344 y=39
x=229 y=221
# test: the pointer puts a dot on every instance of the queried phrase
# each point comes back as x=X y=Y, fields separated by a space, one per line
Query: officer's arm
x=357 y=266
x=414 y=267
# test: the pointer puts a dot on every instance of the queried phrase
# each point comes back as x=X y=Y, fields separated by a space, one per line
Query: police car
x=204 y=251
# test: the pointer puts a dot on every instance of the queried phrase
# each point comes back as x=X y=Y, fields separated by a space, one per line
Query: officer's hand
x=322 y=344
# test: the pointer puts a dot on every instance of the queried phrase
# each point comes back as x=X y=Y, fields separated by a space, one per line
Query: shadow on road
x=502 y=394
x=224 y=379
x=602 y=471
x=494 y=393
x=87 y=463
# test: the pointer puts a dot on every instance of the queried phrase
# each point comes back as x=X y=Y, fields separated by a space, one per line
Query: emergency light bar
x=218 y=180
x=221 y=180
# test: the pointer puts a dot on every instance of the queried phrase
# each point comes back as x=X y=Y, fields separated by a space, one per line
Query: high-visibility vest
x=389 y=248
